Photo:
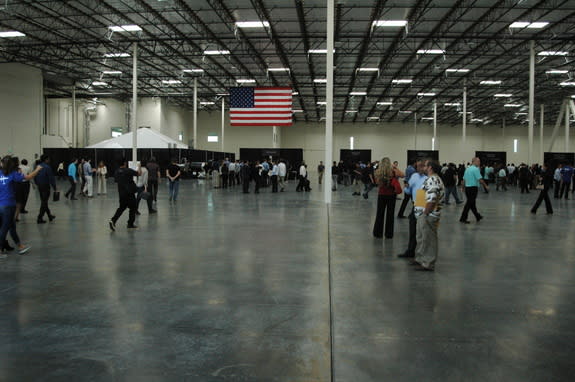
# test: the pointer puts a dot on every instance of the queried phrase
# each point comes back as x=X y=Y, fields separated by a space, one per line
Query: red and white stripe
x=272 y=107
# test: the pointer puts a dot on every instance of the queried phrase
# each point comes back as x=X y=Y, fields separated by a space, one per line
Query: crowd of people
x=427 y=186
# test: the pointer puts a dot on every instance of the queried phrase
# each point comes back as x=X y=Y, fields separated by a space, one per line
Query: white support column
x=530 y=156
x=275 y=137
x=223 y=122
x=74 y=118
x=464 y=128
x=541 y=125
x=414 y=131
x=134 y=103
x=195 y=127
x=329 y=101
x=557 y=125
x=567 y=127
x=434 y=140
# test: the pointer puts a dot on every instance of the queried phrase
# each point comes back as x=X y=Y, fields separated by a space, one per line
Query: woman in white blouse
x=101 y=177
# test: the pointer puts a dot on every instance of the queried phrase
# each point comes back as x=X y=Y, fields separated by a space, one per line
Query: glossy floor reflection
x=224 y=286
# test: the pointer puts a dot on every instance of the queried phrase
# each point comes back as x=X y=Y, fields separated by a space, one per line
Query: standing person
x=232 y=174
x=237 y=169
x=428 y=213
x=81 y=176
x=22 y=190
x=450 y=183
x=389 y=188
x=9 y=175
x=101 y=173
x=274 y=176
x=225 y=174
x=501 y=179
x=557 y=181
x=320 y=171
x=357 y=175
x=142 y=183
x=256 y=176
x=547 y=179
x=410 y=170
x=44 y=180
x=216 y=173
x=88 y=178
x=566 y=176
x=334 y=176
x=303 y=182
x=246 y=173
x=173 y=174
x=471 y=181
x=153 y=178
x=124 y=177
x=282 y=172
x=73 y=179
x=524 y=175
x=368 y=179
x=415 y=183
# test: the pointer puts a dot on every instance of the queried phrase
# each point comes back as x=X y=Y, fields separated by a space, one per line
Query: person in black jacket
x=44 y=180
x=547 y=179
x=246 y=173
x=124 y=176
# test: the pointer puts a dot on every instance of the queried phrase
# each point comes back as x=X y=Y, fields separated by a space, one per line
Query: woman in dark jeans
x=389 y=187
x=9 y=175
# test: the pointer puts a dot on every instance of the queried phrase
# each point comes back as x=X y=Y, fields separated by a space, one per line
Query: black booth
x=492 y=157
x=292 y=157
x=354 y=156
x=555 y=159
x=413 y=155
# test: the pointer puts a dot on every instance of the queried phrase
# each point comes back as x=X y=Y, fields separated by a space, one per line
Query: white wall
x=174 y=121
x=22 y=110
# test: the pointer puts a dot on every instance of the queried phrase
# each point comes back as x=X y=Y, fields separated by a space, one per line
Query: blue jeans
x=173 y=189
x=7 y=224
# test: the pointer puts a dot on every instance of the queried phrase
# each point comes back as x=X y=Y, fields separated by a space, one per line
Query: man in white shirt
x=274 y=176
x=282 y=171
x=303 y=182
x=142 y=184
x=232 y=174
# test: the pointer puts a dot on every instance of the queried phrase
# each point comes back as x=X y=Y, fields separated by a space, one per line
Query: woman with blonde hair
x=389 y=187
x=101 y=172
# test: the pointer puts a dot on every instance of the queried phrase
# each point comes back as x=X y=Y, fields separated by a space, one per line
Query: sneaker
x=23 y=249
x=51 y=217
x=112 y=225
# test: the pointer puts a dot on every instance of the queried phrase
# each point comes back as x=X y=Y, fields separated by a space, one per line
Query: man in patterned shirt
x=428 y=211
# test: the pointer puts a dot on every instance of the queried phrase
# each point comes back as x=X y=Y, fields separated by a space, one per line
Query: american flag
x=251 y=106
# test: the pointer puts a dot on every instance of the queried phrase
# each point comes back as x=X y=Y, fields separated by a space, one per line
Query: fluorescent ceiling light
x=401 y=81
x=503 y=95
x=207 y=103
x=452 y=104
x=389 y=23
x=8 y=34
x=320 y=80
x=223 y=94
x=246 y=81
x=573 y=96
x=171 y=82
x=373 y=118
x=520 y=113
x=430 y=51
x=111 y=72
x=426 y=94
x=476 y=120
x=297 y=111
x=525 y=24
x=278 y=70
x=193 y=70
x=567 y=83
x=125 y=28
x=457 y=70
x=216 y=52
x=116 y=55
x=252 y=24
x=385 y=103
x=322 y=103
x=358 y=93
x=295 y=93
x=318 y=51
x=405 y=111
x=552 y=53
x=512 y=105
x=99 y=83
x=427 y=119
x=351 y=111
x=368 y=70
x=490 y=82
x=554 y=71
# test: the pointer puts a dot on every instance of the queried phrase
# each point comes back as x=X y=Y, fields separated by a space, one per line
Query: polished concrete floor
x=223 y=286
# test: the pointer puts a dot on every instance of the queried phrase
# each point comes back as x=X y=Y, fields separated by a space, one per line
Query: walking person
x=368 y=179
x=547 y=179
x=566 y=176
x=73 y=179
x=471 y=181
x=282 y=172
x=127 y=189
x=274 y=177
x=320 y=171
x=9 y=175
x=142 y=185
x=415 y=183
x=303 y=182
x=246 y=173
x=88 y=178
x=153 y=178
x=334 y=176
x=357 y=175
x=389 y=188
x=173 y=174
x=501 y=179
x=557 y=181
x=44 y=180
x=22 y=190
x=409 y=171
x=101 y=173
x=450 y=183
x=428 y=212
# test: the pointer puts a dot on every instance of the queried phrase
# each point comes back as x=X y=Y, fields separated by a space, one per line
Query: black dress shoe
x=6 y=247
x=465 y=221
x=23 y=212
x=41 y=221
x=405 y=255
x=479 y=218
x=51 y=217
x=420 y=267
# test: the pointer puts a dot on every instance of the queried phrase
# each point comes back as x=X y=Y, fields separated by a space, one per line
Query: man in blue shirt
x=44 y=180
x=415 y=183
x=566 y=175
x=408 y=173
x=73 y=179
x=471 y=180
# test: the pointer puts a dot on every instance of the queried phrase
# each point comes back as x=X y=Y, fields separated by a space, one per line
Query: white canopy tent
x=147 y=139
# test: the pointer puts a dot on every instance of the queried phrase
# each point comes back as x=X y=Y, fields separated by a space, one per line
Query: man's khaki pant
x=426 y=236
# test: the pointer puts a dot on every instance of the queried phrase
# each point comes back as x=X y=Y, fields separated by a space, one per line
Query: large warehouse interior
x=216 y=284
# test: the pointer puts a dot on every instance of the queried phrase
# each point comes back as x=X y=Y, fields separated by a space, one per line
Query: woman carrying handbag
x=389 y=188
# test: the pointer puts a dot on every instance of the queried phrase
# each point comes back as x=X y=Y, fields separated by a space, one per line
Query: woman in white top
x=101 y=173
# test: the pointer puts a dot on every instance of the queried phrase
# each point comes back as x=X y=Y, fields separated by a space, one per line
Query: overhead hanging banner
x=260 y=106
